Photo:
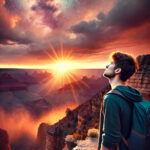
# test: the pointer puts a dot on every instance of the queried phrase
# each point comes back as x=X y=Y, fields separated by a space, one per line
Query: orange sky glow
x=60 y=64
x=34 y=34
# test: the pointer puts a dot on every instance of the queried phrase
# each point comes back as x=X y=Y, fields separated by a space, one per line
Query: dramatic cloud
x=8 y=26
x=129 y=13
x=86 y=28
x=49 y=12
x=125 y=15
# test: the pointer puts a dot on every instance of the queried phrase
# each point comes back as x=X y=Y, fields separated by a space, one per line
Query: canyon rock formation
x=4 y=140
x=141 y=79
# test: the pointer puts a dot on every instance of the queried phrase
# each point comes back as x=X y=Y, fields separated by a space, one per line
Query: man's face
x=109 y=71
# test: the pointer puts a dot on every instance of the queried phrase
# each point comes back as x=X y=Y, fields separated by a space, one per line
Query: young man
x=116 y=113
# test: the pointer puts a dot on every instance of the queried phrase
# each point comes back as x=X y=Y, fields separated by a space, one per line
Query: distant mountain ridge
x=7 y=82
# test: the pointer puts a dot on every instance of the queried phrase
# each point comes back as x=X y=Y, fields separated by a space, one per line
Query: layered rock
x=26 y=78
x=141 y=79
x=7 y=82
x=54 y=138
x=41 y=137
x=4 y=141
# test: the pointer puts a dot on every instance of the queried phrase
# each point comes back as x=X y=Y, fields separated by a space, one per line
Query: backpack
x=139 y=136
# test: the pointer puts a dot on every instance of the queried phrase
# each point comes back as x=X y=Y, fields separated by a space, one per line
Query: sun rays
x=64 y=72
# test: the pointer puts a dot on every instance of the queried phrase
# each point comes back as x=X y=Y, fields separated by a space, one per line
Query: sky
x=39 y=33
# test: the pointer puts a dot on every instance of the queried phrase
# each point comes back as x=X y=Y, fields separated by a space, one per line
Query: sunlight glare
x=63 y=66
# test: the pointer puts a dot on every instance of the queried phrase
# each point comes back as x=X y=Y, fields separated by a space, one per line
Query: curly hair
x=127 y=63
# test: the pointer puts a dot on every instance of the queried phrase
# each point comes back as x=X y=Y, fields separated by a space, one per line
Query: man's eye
x=107 y=65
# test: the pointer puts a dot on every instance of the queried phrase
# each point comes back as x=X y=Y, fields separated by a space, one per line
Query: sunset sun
x=63 y=66
x=65 y=70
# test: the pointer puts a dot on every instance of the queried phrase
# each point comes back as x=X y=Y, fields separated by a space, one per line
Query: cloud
x=117 y=25
x=84 y=27
x=129 y=13
x=42 y=20
x=14 y=6
x=125 y=15
x=48 y=11
x=8 y=25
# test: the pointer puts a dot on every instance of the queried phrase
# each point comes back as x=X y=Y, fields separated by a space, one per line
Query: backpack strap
x=117 y=92
x=125 y=141
x=148 y=117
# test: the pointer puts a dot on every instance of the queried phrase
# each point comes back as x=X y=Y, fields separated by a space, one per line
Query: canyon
x=77 y=120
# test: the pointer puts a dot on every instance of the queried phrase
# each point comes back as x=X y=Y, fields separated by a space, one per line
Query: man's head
x=123 y=65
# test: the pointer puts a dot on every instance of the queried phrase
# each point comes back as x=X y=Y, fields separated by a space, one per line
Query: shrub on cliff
x=93 y=133
x=77 y=136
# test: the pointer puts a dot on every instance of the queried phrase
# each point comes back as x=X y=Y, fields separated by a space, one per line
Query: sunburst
x=63 y=70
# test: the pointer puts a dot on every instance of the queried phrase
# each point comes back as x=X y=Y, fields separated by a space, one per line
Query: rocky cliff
x=4 y=141
x=141 y=79
x=76 y=123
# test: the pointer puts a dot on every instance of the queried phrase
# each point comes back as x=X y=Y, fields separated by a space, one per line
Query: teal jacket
x=116 y=117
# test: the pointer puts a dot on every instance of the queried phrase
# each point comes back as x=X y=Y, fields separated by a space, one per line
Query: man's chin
x=108 y=76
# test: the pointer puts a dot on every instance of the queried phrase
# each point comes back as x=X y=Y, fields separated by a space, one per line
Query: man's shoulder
x=110 y=96
x=115 y=99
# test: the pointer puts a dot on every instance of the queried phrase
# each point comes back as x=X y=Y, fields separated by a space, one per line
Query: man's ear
x=118 y=70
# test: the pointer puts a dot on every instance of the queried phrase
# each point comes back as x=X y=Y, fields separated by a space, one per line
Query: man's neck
x=115 y=82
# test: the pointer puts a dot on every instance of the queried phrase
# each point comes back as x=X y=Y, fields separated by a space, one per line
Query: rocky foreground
x=87 y=144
